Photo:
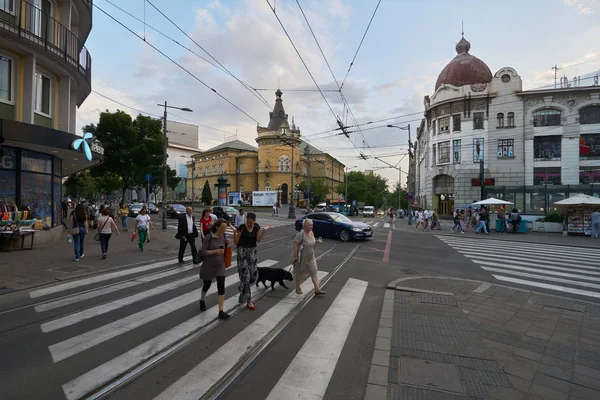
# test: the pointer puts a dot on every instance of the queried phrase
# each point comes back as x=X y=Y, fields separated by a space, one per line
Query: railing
x=40 y=29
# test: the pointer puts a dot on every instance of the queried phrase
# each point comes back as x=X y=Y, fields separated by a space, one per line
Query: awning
x=71 y=149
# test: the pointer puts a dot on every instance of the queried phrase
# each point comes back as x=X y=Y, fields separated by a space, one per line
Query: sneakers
x=104 y=256
x=223 y=315
x=202 y=305
x=77 y=260
x=81 y=256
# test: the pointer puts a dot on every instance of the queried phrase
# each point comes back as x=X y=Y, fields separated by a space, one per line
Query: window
x=241 y=168
x=241 y=188
x=444 y=125
x=589 y=175
x=284 y=164
x=477 y=120
x=546 y=117
x=456 y=123
x=214 y=169
x=546 y=175
x=207 y=171
x=510 y=123
x=589 y=115
x=589 y=147
x=433 y=124
x=434 y=162
x=8 y=6
x=456 y=151
x=505 y=78
x=268 y=186
x=477 y=150
x=5 y=77
x=546 y=148
x=500 y=120
x=444 y=148
x=506 y=148
x=221 y=169
x=42 y=93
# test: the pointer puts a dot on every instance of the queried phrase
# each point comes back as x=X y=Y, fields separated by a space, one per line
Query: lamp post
x=404 y=128
x=278 y=193
x=193 y=188
x=164 y=172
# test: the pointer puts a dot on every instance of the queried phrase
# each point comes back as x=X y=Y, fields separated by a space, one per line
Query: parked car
x=226 y=212
x=152 y=208
x=335 y=225
x=175 y=210
x=369 y=211
x=134 y=209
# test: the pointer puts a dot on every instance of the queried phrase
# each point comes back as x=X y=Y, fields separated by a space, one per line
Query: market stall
x=578 y=209
x=15 y=226
x=491 y=203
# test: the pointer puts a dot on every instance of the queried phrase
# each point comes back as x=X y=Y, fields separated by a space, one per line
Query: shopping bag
x=228 y=256
x=133 y=236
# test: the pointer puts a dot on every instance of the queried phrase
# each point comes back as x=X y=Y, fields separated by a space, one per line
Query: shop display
x=579 y=222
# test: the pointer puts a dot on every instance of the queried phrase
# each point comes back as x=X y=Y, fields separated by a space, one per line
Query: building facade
x=280 y=153
x=483 y=136
x=45 y=74
x=182 y=146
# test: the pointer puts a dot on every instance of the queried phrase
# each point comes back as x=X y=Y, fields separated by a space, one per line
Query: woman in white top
x=142 y=222
x=105 y=227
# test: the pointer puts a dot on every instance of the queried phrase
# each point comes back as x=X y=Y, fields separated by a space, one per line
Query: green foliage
x=206 y=193
x=107 y=183
x=367 y=188
x=553 y=217
x=319 y=190
x=81 y=184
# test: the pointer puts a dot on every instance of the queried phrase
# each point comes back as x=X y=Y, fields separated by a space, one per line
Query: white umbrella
x=578 y=199
x=492 y=201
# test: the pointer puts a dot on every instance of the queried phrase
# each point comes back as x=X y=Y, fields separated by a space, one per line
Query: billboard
x=233 y=198
x=264 y=198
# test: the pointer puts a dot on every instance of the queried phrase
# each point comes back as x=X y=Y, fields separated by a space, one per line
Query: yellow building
x=281 y=152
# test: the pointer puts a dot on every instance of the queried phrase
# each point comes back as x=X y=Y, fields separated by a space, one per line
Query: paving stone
x=503 y=393
x=560 y=353
x=520 y=383
x=378 y=375
x=547 y=393
x=376 y=392
x=587 y=362
x=430 y=374
x=484 y=365
x=590 y=354
x=385 y=322
x=555 y=371
x=587 y=371
x=488 y=377
x=527 y=345
x=551 y=382
x=384 y=332
x=584 y=392
x=381 y=357
x=545 y=323
x=426 y=355
x=510 y=340
x=524 y=362
x=556 y=362
x=518 y=371
x=586 y=381
x=382 y=343
x=540 y=333
x=501 y=356
x=532 y=355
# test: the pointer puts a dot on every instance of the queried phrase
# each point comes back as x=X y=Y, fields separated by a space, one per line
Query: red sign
x=486 y=182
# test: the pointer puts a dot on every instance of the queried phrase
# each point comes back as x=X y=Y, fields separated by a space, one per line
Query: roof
x=278 y=115
x=464 y=69
x=235 y=145
x=312 y=149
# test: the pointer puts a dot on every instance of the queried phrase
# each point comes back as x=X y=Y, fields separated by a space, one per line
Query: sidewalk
x=442 y=338
x=55 y=262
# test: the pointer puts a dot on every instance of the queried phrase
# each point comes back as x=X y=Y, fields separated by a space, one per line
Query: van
x=369 y=211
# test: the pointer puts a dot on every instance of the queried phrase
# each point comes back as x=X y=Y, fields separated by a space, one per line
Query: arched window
x=511 y=120
x=500 y=120
x=221 y=169
x=214 y=169
x=284 y=164
x=589 y=115
x=241 y=168
x=206 y=171
x=546 y=117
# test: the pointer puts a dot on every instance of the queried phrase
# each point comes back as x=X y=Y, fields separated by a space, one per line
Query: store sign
x=83 y=145
x=7 y=158
x=486 y=182
x=264 y=198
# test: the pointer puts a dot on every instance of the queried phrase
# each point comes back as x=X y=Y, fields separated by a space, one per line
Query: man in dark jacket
x=187 y=233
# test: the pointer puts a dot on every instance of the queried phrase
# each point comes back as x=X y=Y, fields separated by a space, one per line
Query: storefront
x=34 y=161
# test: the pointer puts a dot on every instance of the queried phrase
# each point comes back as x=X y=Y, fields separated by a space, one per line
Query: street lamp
x=404 y=128
x=193 y=189
x=278 y=193
x=164 y=175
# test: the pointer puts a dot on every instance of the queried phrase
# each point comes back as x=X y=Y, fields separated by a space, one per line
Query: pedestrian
x=213 y=217
x=391 y=214
x=187 y=233
x=142 y=224
x=596 y=223
x=105 y=226
x=435 y=220
x=79 y=227
x=304 y=261
x=64 y=206
x=502 y=219
x=240 y=219
x=124 y=211
x=515 y=219
x=275 y=211
x=246 y=240
x=112 y=210
x=205 y=222
x=213 y=266
x=457 y=221
x=482 y=224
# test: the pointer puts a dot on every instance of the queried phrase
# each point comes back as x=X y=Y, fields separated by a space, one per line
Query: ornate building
x=281 y=152
x=530 y=147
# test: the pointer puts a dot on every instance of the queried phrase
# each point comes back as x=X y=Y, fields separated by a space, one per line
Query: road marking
x=388 y=245
x=79 y=343
x=518 y=245
x=546 y=269
x=386 y=225
x=548 y=286
x=375 y=224
x=99 y=278
x=309 y=373
x=542 y=277
x=202 y=377
x=482 y=288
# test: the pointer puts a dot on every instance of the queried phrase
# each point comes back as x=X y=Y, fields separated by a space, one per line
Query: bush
x=553 y=217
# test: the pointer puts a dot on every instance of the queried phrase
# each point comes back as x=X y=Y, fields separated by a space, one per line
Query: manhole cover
x=72 y=268
x=441 y=299
x=430 y=374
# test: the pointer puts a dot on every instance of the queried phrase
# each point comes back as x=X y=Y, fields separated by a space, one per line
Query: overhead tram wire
x=248 y=87
x=179 y=65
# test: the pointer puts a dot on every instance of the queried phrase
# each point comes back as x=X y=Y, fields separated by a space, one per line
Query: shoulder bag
x=97 y=235
x=74 y=231
x=228 y=254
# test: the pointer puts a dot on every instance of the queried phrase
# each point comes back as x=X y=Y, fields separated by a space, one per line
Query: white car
x=369 y=211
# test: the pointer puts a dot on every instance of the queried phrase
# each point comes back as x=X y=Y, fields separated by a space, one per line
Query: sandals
x=298 y=291
x=320 y=292
x=251 y=306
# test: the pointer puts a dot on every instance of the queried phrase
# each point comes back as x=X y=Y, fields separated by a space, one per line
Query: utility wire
x=179 y=65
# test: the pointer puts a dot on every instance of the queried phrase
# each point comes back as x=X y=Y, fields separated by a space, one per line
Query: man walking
x=240 y=219
x=596 y=224
x=187 y=233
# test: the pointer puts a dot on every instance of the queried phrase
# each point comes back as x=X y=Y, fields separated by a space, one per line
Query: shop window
x=42 y=93
x=444 y=125
x=57 y=196
x=477 y=150
x=510 y=122
x=477 y=120
x=506 y=148
x=589 y=175
x=500 y=120
x=434 y=162
x=547 y=148
x=456 y=123
x=546 y=175
x=5 y=78
x=444 y=149
x=546 y=117
x=7 y=6
x=589 y=147
x=35 y=191
x=456 y=151
x=8 y=176
x=36 y=162
x=589 y=115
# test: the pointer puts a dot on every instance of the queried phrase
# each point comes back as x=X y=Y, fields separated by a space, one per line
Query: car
x=225 y=212
x=152 y=208
x=336 y=225
x=380 y=212
x=369 y=211
x=134 y=209
x=175 y=210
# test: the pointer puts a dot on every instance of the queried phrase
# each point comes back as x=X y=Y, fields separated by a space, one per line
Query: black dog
x=273 y=275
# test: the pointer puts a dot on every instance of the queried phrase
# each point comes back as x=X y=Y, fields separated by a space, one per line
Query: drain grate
x=440 y=299
x=72 y=268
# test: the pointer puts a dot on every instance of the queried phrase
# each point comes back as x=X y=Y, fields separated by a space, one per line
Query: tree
x=367 y=188
x=81 y=184
x=108 y=183
x=206 y=194
x=318 y=188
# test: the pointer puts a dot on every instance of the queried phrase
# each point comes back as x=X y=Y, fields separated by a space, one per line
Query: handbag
x=74 y=231
x=199 y=257
x=228 y=256
x=97 y=235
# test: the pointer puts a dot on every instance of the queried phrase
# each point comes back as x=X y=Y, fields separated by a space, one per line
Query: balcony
x=44 y=33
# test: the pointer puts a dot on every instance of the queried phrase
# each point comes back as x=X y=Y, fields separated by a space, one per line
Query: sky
x=407 y=45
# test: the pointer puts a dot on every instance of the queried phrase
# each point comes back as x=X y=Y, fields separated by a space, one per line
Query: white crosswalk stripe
x=568 y=269
x=77 y=330
x=275 y=222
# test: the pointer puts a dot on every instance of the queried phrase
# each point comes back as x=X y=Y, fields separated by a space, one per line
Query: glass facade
x=31 y=179
x=589 y=147
x=547 y=148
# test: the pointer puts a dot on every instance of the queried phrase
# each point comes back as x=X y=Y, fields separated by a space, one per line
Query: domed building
x=483 y=136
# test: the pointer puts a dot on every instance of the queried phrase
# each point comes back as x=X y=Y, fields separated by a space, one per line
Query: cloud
x=338 y=9
x=584 y=7
x=386 y=87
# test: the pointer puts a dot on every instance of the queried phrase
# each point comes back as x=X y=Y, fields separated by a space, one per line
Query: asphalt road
x=138 y=334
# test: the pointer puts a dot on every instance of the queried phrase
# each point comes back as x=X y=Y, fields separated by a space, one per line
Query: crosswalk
x=89 y=313
x=566 y=269
x=275 y=222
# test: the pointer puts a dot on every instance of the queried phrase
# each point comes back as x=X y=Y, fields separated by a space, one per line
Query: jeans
x=78 y=241
x=457 y=225
x=596 y=230
x=124 y=221
x=104 y=238
x=482 y=226
x=142 y=235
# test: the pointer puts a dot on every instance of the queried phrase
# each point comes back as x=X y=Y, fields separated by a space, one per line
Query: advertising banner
x=264 y=198
x=233 y=198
